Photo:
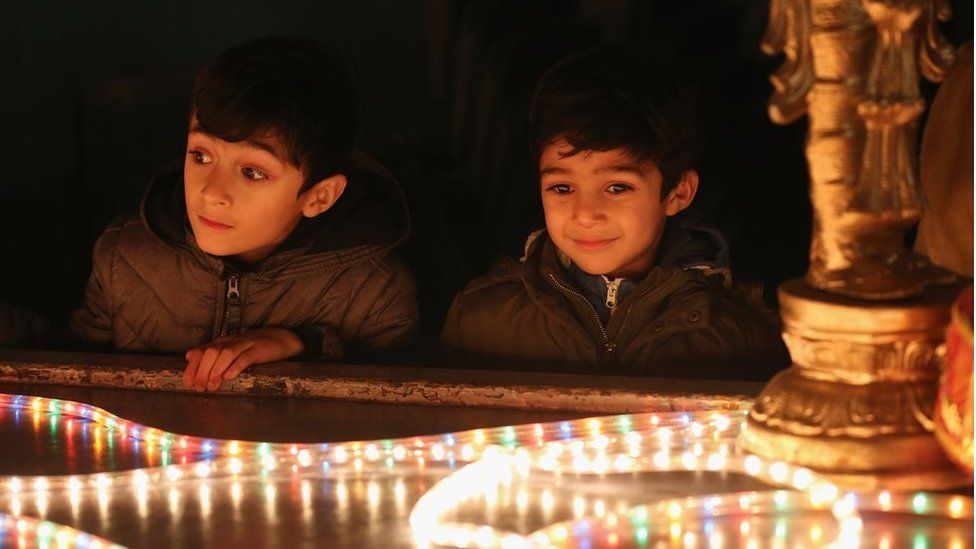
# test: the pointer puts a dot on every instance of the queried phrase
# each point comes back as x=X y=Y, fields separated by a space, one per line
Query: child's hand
x=222 y=359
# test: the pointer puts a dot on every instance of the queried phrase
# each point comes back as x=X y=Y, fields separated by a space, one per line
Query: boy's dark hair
x=297 y=90
x=612 y=97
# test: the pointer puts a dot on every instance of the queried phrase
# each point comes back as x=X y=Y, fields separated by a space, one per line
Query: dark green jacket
x=678 y=322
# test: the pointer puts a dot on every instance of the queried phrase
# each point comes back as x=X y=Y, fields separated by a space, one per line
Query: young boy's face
x=242 y=199
x=603 y=209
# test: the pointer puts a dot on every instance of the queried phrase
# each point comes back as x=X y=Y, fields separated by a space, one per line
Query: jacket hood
x=690 y=243
x=369 y=219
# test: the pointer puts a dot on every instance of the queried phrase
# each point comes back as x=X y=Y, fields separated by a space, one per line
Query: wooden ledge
x=386 y=384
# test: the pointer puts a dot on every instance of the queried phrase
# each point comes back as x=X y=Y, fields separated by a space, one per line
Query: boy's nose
x=587 y=211
x=215 y=191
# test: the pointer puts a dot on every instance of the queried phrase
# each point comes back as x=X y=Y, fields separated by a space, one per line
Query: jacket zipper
x=609 y=345
x=612 y=287
x=231 y=323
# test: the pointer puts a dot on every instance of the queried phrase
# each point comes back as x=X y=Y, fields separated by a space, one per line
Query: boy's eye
x=560 y=188
x=254 y=174
x=619 y=188
x=200 y=157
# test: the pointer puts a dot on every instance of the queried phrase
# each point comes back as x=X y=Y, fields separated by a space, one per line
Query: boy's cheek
x=555 y=218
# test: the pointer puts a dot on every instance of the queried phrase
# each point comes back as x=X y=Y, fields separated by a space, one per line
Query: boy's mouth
x=213 y=224
x=594 y=245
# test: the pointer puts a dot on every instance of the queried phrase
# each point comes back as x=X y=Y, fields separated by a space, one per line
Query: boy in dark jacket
x=272 y=239
x=619 y=279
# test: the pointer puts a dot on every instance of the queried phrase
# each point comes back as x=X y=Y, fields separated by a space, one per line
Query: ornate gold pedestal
x=859 y=400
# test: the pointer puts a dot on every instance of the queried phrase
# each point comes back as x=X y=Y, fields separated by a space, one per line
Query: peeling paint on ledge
x=386 y=384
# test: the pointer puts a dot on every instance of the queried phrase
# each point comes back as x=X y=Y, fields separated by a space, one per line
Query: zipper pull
x=231 y=322
x=233 y=290
x=609 y=355
x=612 y=287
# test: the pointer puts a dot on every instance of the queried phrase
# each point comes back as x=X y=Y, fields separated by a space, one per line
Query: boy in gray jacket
x=271 y=239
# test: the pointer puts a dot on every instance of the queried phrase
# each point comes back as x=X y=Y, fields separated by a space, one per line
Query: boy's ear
x=682 y=194
x=323 y=195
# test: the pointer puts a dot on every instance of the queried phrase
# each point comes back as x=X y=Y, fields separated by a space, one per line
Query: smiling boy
x=272 y=239
x=621 y=278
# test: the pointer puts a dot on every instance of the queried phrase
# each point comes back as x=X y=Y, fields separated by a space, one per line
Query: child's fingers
x=242 y=361
x=224 y=360
x=193 y=362
x=210 y=355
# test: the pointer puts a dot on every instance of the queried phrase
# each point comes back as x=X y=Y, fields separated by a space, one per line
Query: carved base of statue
x=879 y=266
x=859 y=401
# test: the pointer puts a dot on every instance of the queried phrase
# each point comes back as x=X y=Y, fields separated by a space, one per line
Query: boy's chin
x=595 y=268
x=216 y=250
x=248 y=255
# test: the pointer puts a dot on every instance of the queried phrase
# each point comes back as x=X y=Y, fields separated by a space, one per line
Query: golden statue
x=865 y=327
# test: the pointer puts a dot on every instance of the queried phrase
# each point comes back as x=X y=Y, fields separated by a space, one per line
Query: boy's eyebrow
x=256 y=143
x=621 y=168
x=553 y=170
x=612 y=168
x=264 y=146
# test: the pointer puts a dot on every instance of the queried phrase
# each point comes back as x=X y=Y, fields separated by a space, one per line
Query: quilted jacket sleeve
x=377 y=310
x=392 y=317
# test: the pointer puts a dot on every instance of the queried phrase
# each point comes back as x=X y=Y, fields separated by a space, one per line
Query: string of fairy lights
x=482 y=462
x=29 y=532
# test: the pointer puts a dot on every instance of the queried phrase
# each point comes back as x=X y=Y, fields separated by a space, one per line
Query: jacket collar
x=544 y=258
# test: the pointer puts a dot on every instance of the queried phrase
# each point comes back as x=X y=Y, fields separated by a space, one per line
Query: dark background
x=94 y=99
